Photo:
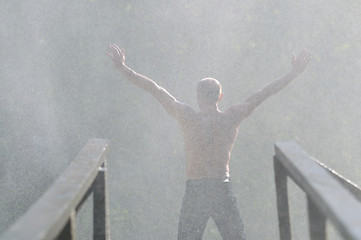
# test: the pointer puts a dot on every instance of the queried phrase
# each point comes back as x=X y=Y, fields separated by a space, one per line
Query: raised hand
x=299 y=63
x=116 y=55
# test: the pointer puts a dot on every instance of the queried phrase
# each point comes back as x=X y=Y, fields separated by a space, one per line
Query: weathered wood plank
x=68 y=232
x=348 y=184
x=282 y=201
x=331 y=198
x=48 y=216
x=316 y=221
x=100 y=212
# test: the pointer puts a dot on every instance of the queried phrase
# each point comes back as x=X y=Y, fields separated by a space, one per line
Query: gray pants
x=207 y=198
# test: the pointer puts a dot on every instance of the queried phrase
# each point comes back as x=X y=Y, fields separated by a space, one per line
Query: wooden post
x=282 y=201
x=100 y=206
x=68 y=232
x=316 y=220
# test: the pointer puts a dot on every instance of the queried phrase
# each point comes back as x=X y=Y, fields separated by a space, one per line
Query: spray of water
x=58 y=88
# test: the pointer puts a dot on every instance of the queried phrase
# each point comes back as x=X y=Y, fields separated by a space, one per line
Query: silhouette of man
x=209 y=135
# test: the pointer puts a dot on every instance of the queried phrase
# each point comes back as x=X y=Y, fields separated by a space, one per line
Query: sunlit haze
x=59 y=88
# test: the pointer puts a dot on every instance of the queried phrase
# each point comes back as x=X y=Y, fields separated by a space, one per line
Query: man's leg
x=228 y=218
x=194 y=215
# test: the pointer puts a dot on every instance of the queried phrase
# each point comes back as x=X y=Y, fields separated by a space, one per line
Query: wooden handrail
x=327 y=197
x=52 y=216
x=348 y=184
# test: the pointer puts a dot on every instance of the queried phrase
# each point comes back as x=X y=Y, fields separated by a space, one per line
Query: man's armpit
x=238 y=111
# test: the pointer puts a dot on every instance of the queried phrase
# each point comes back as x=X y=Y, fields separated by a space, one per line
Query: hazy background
x=58 y=89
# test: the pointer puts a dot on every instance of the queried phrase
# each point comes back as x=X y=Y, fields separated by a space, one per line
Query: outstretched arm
x=245 y=108
x=172 y=106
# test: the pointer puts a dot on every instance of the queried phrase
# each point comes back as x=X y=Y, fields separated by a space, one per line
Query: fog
x=59 y=88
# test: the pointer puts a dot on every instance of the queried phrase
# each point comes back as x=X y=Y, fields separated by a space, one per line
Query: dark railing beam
x=352 y=187
x=52 y=216
x=282 y=201
x=68 y=232
x=100 y=206
x=327 y=198
x=316 y=221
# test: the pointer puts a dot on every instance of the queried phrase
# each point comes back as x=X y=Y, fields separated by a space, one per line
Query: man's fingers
x=307 y=53
x=118 y=49
x=308 y=56
x=303 y=54
x=300 y=62
x=110 y=49
x=115 y=50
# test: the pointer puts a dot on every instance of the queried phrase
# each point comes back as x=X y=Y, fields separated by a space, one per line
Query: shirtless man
x=209 y=135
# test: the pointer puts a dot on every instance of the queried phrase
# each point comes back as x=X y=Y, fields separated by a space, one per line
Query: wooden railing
x=329 y=195
x=53 y=215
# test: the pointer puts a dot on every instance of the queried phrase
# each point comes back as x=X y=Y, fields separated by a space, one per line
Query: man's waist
x=197 y=172
x=208 y=180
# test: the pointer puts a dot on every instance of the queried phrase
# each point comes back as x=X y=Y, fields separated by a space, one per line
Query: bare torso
x=208 y=141
x=209 y=135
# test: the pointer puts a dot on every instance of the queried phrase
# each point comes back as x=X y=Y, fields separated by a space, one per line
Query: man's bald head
x=209 y=91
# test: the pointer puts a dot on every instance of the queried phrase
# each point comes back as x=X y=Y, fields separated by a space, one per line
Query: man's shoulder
x=235 y=114
x=237 y=108
x=184 y=111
